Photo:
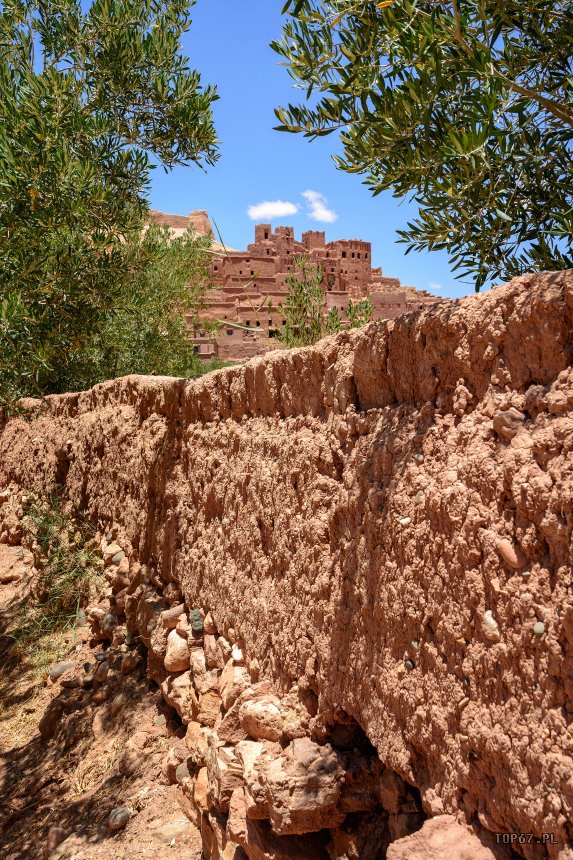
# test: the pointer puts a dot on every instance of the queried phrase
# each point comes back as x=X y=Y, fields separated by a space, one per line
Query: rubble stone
x=260 y=842
x=233 y=681
x=262 y=717
x=196 y=740
x=177 y=653
x=303 y=788
x=118 y=818
x=209 y=708
x=441 y=838
x=178 y=691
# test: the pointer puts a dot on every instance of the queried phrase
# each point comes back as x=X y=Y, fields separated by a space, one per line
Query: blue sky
x=228 y=43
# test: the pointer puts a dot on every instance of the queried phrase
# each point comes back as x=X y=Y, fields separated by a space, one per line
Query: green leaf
x=456 y=121
x=503 y=215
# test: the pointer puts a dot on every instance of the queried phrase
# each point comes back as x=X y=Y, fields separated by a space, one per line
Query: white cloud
x=270 y=209
x=317 y=208
x=433 y=286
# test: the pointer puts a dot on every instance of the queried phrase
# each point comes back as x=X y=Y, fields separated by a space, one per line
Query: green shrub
x=146 y=332
x=70 y=574
x=90 y=93
x=303 y=309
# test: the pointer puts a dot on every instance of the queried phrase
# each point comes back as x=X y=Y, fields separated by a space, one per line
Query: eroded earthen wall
x=384 y=519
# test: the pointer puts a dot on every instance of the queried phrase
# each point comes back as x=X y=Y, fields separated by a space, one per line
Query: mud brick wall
x=383 y=519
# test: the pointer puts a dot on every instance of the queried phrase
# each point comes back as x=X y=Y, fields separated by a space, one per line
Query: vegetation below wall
x=67 y=572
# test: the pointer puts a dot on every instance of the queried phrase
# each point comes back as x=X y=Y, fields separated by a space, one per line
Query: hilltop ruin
x=249 y=286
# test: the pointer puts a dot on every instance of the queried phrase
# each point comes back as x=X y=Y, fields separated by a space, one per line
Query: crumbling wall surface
x=383 y=519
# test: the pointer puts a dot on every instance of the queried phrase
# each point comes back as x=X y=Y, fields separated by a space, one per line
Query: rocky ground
x=78 y=746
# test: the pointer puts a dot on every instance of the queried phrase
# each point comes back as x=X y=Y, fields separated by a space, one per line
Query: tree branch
x=557 y=110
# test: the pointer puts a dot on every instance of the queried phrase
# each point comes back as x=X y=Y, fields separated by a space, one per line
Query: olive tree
x=463 y=107
x=147 y=331
x=303 y=304
x=304 y=307
x=93 y=97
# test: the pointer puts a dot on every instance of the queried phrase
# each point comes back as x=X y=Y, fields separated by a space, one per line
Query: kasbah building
x=249 y=286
